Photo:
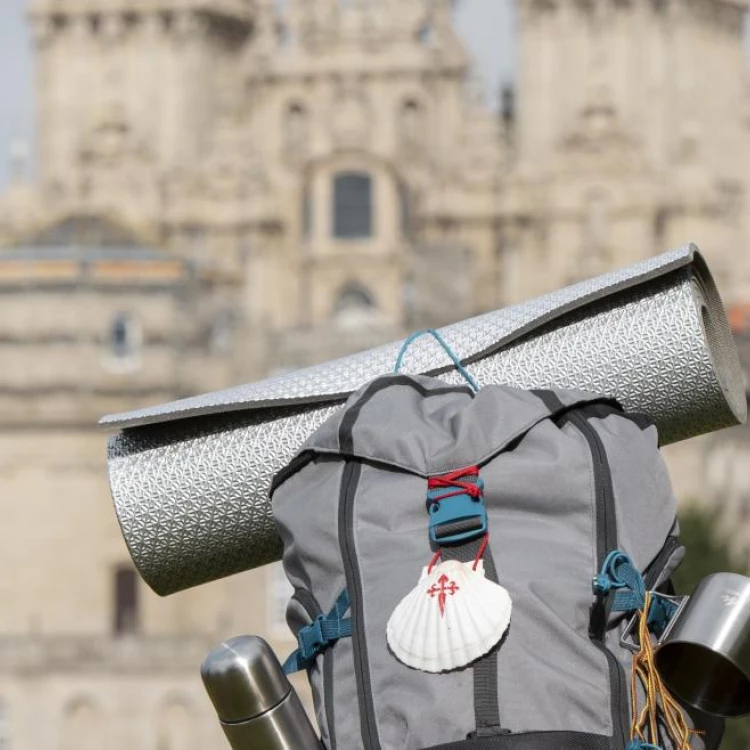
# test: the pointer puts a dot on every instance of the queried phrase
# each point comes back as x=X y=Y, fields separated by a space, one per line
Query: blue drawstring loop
x=454 y=358
x=641 y=745
x=619 y=574
x=321 y=633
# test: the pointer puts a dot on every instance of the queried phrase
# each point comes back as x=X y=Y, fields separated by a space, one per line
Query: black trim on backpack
x=606 y=541
x=601 y=410
x=367 y=718
x=296 y=464
x=533 y=741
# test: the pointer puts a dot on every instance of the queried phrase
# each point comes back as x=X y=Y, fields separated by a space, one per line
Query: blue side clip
x=321 y=633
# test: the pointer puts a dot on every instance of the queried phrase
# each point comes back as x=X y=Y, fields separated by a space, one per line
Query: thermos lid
x=244 y=679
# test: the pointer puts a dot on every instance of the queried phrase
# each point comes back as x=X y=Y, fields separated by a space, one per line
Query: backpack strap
x=486 y=700
x=458 y=527
x=321 y=633
x=618 y=574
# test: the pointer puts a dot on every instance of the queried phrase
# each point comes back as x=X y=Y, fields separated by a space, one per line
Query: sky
x=485 y=25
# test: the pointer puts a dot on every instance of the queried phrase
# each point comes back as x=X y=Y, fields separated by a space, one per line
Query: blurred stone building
x=227 y=189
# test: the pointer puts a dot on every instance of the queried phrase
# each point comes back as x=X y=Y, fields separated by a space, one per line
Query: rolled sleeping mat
x=190 y=479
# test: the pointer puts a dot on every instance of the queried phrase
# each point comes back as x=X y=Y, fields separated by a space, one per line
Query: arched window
x=661 y=220
x=125 y=615
x=307 y=213
x=404 y=199
x=176 y=725
x=411 y=123
x=124 y=336
x=296 y=129
x=352 y=205
x=82 y=727
x=508 y=104
x=354 y=307
x=286 y=36
x=426 y=35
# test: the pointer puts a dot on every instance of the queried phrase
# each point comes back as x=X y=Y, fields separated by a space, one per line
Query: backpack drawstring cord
x=620 y=577
x=446 y=347
x=658 y=698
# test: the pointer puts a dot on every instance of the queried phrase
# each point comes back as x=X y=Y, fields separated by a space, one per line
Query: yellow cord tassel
x=659 y=700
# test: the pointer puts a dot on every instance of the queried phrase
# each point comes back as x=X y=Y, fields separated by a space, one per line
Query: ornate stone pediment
x=351 y=119
x=600 y=142
x=83 y=230
x=232 y=171
x=112 y=142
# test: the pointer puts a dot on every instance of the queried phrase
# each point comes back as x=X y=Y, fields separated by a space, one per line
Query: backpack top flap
x=422 y=425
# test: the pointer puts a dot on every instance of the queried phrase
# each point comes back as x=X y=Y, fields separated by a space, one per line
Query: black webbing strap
x=486 y=702
x=534 y=741
x=457 y=527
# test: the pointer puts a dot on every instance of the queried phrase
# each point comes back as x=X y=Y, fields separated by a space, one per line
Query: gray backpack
x=567 y=479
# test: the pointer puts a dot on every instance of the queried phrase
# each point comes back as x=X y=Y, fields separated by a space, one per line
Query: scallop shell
x=452 y=617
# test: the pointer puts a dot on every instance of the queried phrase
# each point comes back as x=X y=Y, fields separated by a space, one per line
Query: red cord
x=480 y=555
x=481 y=551
x=452 y=480
x=435 y=558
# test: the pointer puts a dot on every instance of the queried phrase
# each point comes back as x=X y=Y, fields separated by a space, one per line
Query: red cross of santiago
x=443 y=588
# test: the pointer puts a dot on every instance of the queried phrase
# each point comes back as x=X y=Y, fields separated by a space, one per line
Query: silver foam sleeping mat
x=190 y=478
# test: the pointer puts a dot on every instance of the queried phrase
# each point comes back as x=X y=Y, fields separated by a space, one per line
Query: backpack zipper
x=606 y=541
x=368 y=723
x=311 y=607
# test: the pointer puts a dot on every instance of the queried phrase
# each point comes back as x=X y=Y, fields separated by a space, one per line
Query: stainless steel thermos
x=704 y=656
x=257 y=706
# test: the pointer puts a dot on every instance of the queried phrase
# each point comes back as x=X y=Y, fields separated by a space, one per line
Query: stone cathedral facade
x=231 y=188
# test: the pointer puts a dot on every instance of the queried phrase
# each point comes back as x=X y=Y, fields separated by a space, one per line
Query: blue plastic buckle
x=456 y=509
x=311 y=640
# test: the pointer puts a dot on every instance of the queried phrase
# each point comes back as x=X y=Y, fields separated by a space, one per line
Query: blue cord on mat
x=456 y=361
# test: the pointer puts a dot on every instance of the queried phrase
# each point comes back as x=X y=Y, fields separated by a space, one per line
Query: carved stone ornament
x=600 y=137
x=351 y=119
x=111 y=142
x=233 y=169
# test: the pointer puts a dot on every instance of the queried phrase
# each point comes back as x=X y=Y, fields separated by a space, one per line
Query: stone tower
x=638 y=111
x=671 y=69
x=128 y=91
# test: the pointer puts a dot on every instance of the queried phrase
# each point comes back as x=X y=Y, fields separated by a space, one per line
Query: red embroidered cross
x=445 y=588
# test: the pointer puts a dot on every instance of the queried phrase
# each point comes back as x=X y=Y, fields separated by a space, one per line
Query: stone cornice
x=239 y=9
x=30 y=655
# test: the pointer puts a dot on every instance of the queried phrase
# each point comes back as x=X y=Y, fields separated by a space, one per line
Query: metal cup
x=704 y=656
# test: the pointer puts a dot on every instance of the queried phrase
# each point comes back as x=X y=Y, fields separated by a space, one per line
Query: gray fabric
x=437 y=434
x=645 y=511
x=191 y=493
x=540 y=494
